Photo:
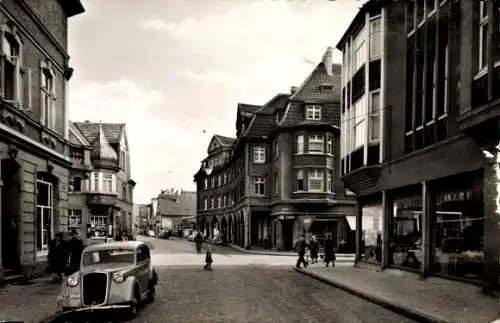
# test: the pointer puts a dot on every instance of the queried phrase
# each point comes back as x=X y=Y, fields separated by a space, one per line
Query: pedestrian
x=314 y=246
x=300 y=247
x=198 y=240
x=329 y=252
x=57 y=258
x=75 y=249
x=208 y=258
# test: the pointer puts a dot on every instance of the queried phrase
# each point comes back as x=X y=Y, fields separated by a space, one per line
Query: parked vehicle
x=113 y=276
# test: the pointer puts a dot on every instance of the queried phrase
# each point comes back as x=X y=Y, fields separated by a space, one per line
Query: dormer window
x=326 y=87
x=313 y=112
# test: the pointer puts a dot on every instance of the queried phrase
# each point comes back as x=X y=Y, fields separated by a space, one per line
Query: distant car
x=113 y=276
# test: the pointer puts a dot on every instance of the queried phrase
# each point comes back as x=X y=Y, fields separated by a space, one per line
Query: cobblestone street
x=242 y=288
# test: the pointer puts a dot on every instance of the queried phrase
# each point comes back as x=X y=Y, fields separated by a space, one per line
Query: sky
x=175 y=70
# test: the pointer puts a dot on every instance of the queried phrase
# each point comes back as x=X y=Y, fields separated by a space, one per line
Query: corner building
x=417 y=107
x=281 y=168
x=34 y=151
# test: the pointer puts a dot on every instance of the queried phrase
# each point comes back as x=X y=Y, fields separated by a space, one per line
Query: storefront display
x=406 y=240
x=459 y=231
x=371 y=236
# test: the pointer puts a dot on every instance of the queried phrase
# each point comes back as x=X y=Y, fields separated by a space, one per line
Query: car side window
x=147 y=254
x=140 y=255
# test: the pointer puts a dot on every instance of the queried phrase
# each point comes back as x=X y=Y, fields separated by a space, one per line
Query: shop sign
x=286 y=217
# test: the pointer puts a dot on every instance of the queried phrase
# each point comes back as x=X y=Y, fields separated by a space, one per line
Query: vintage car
x=113 y=276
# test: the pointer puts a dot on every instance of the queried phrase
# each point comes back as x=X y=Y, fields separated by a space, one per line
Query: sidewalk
x=430 y=300
x=28 y=303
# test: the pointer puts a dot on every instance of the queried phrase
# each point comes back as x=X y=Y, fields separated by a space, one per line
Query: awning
x=351 y=220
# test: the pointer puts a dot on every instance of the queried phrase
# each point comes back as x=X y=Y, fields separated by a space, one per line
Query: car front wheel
x=151 y=294
x=132 y=310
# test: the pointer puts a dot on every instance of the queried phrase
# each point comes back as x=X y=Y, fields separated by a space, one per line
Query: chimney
x=327 y=60
x=293 y=89
x=87 y=121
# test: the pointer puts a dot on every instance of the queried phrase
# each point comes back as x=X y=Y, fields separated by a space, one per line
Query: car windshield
x=108 y=256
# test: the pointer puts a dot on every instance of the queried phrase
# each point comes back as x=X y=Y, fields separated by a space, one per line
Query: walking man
x=300 y=247
x=75 y=249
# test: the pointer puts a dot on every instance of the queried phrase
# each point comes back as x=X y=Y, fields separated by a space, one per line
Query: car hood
x=106 y=268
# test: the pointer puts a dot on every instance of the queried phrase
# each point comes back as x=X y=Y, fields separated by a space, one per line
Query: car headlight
x=118 y=277
x=72 y=281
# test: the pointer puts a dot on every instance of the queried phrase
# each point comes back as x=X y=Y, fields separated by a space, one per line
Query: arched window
x=11 y=79
x=48 y=95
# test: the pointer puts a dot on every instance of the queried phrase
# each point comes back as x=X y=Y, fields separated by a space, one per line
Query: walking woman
x=329 y=251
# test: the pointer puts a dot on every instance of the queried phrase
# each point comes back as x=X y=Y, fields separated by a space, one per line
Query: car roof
x=115 y=245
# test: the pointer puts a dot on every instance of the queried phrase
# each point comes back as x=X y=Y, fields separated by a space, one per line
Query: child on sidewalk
x=208 y=258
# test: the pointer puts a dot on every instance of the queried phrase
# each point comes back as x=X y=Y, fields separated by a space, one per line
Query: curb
x=399 y=308
x=255 y=252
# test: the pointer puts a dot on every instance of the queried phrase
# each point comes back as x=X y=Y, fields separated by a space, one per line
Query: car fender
x=124 y=291
x=153 y=275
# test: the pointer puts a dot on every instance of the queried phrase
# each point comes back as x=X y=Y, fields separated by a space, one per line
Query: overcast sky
x=171 y=68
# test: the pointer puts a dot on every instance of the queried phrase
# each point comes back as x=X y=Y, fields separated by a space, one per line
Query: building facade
x=281 y=169
x=106 y=196
x=34 y=150
x=173 y=206
x=80 y=154
x=416 y=87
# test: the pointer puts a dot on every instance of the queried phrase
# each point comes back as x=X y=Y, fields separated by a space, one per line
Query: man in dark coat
x=57 y=257
x=75 y=249
x=329 y=252
x=300 y=247
x=198 y=240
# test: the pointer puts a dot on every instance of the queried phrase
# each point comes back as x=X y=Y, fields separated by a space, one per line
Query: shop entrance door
x=287 y=232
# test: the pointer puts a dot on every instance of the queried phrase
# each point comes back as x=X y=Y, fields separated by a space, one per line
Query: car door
x=142 y=267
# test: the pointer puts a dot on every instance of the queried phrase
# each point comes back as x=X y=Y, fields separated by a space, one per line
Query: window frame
x=299 y=144
x=359 y=121
x=259 y=182
x=329 y=145
x=329 y=182
x=483 y=35
x=374 y=116
x=43 y=249
x=315 y=140
x=313 y=112
x=72 y=216
x=373 y=36
x=315 y=175
x=15 y=61
x=259 y=155
x=47 y=95
x=299 y=178
x=205 y=203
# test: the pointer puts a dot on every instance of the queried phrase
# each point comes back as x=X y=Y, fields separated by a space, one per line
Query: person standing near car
x=57 y=257
x=75 y=249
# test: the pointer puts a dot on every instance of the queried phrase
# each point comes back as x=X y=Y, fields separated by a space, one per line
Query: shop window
x=406 y=241
x=459 y=231
x=371 y=234
x=75 y=219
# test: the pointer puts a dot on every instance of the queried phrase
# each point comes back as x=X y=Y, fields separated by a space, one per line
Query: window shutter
x=25 y=89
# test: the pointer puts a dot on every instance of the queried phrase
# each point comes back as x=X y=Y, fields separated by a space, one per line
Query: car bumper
x=102 y=308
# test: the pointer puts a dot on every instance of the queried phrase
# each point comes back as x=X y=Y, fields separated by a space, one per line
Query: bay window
x=359 y=127
x=315 y=180
x=316 y=144
x=300 y=144
x=44 y=215
x=103 y=182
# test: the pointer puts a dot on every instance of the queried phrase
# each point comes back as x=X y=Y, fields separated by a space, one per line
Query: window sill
x=259 y=162
x=313 y=154
x=484 y=70
x=312 y=192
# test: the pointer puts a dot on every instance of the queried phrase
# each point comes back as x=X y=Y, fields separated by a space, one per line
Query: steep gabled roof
x=320 y=86
x=263 y=121
x=226 y=141
x=76 y=136
x=219 y=141
x=112 y=131
x=182 y=204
